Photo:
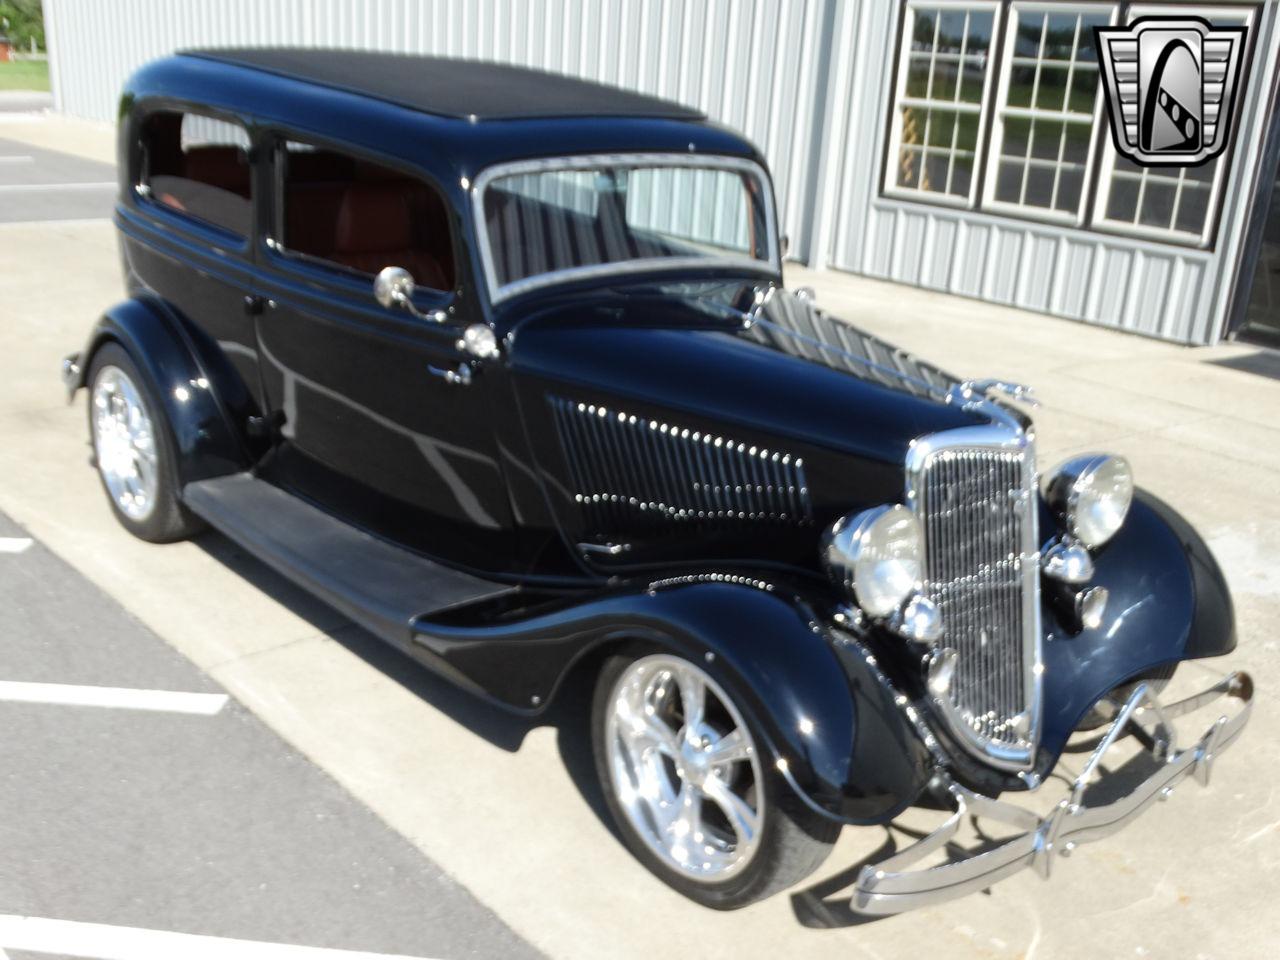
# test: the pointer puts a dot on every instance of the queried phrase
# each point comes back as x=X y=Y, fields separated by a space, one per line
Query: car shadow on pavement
x=568 y=713
x=827 y=904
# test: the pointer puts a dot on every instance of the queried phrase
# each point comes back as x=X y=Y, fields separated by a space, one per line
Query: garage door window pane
x=1193 y=208
x=945 y=59
x=1045 y=127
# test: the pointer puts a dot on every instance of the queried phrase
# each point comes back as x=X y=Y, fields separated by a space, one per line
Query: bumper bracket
x=893 y=886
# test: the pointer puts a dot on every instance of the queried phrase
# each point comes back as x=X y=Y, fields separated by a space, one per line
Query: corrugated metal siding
x=1146 y=289
x=753 y=66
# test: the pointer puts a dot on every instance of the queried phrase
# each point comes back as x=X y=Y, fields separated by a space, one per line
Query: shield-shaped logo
x=1171 y=85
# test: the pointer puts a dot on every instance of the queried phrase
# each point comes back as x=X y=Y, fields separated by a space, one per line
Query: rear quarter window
x=198 y=166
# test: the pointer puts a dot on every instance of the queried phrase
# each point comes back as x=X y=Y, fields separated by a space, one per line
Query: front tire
x=134 y=451
x=693 y=796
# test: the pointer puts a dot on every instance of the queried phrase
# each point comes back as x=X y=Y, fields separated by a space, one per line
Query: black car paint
x=831 y=717
x=200 y=394
x=659 y=354
x=683 y=354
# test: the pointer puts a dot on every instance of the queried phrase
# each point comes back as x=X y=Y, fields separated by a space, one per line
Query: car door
x=377 y=416
x=185 y=235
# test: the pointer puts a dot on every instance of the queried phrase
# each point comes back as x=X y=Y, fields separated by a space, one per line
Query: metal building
x=959 y=145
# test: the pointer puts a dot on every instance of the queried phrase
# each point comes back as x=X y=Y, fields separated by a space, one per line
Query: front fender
x=824 y=710
x=1168 y=602
x=193 y=390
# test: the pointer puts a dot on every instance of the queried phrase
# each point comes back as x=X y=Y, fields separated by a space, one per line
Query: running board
x=380 y=586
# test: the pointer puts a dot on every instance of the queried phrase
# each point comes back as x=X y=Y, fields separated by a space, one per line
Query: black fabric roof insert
x=463 y=89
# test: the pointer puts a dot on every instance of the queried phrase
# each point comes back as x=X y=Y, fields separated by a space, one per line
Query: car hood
x=714 y=422
x=788 y=368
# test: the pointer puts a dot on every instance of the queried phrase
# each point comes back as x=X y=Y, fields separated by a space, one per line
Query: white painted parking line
x=17 y=159
x=101 y=942
x=73 y=695
x=15 y=544
x=46 y=187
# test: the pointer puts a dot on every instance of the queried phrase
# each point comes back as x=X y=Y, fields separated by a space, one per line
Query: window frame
x=906 y=30
x=771 y=265
x=140 y=176
x=1001 y=110
x=273 y=140
x=1205 y=240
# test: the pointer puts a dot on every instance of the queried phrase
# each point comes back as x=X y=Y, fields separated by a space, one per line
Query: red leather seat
x=223 y=167
x=311 y=217
x=375 y=230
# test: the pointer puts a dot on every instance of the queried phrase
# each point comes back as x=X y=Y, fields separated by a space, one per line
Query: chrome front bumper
x=892 y=886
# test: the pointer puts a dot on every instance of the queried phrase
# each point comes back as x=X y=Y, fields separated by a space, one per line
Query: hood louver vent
x=634 y=473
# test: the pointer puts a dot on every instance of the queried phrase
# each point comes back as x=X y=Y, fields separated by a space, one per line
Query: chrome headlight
x=1091 y=496
x=878 y=555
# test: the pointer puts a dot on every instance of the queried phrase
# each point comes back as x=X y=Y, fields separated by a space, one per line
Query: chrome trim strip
x=1002 y=436
x=626 y=267
x=892 y=886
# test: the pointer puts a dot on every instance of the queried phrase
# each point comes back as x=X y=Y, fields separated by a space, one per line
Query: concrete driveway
x=25 y=101
x=508 y=810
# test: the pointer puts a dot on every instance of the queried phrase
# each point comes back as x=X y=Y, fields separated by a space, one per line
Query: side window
x=198 y=166
x=357 y=216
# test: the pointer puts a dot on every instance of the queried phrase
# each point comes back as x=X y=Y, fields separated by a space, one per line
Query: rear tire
x=133 y=450
x=675 y=788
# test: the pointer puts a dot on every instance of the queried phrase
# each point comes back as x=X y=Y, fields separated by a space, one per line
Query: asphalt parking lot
x=139 y=796
x=37 y=184
x=466 y=804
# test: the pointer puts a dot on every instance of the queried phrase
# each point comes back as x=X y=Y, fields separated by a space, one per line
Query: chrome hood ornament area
x=974 y=391
x=793 y=322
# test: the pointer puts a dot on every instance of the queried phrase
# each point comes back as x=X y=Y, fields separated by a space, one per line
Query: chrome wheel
x=684 y=768
x=124 y=443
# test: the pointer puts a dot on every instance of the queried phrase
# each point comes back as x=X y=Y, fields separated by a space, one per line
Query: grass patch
x=24 y=75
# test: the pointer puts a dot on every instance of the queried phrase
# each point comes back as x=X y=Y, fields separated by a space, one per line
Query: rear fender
x=829 y=718
x=193 y=389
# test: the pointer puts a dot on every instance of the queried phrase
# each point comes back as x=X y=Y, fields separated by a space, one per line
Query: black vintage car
x=500 y=364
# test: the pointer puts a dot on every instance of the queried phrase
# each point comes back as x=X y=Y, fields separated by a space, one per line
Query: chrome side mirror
x=394 y=286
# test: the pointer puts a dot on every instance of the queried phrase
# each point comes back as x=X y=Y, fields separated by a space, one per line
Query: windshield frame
x=742 y=165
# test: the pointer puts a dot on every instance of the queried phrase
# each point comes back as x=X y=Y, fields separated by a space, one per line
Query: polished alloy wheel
x=684 y=768
x=124 y=442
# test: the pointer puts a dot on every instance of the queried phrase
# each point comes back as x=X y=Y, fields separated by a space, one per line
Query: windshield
x=553 y=220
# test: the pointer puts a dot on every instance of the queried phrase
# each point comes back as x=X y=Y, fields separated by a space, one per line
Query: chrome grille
x=631 y=472
x=978 y=508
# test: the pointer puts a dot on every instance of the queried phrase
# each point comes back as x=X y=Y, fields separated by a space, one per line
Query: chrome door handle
x=461 y=376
